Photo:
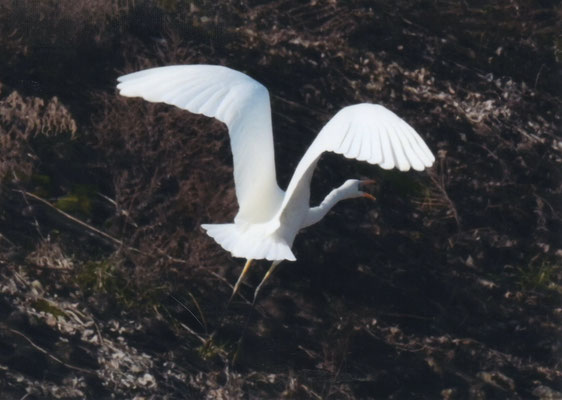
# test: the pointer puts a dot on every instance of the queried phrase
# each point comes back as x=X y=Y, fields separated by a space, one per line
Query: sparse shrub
x=21 y=120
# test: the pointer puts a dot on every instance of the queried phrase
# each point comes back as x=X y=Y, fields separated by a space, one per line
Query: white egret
x=269 y=218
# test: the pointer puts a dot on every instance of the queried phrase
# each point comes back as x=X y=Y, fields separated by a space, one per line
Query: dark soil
x=448 y=287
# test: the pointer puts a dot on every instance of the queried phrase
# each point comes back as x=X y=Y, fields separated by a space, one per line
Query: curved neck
x=315 y=214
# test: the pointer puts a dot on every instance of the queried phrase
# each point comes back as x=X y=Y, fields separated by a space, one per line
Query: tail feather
x=251 y=242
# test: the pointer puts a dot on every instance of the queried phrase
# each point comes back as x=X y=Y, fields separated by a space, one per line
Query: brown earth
x=448 y=287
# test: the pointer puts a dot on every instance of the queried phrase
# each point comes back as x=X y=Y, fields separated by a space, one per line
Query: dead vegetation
x=448 y=287
x=22 y=120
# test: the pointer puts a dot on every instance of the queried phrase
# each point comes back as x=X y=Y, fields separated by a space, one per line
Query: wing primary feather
x=366 y=138
x=387 y=157
x=411 y=154
x=355 y=146
x=181 y=96
x=430 y=156
x=226 y=112
x=201 y=98
x=376 y=147
x=420 y=148
x=396 y=144
x=152 y=88
x=212 y=104
x=336 y=135
x=347 y=140
x=416 y=147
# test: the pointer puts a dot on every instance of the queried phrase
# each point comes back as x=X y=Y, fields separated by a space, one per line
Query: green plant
x=111 y=279
x=78 y=200
x=48 y=307
x=542 y=276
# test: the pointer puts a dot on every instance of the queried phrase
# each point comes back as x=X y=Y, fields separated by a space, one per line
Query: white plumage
x=269 y=218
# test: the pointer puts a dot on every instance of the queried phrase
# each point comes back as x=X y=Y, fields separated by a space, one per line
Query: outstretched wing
x=366 y=132
x=235 y=99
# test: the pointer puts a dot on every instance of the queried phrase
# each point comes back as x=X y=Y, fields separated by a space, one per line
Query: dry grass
x=22 y=120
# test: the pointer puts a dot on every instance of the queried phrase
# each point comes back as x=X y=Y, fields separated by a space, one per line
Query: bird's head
x=357 y=187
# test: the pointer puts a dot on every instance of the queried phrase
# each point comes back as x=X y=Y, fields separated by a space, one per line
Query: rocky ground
x=448 y=287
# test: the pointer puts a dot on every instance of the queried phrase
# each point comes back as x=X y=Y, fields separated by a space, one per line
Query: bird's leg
x=209 y=341
x=258 y=288
x=267 y=275
x=239 y=281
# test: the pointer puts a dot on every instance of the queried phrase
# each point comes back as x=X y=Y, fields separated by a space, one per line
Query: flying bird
x=269 y=218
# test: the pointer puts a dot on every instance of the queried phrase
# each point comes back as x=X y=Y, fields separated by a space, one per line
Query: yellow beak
x=368 y=182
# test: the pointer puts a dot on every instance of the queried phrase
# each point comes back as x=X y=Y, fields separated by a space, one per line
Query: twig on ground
x=76 y=220
x=42 y=350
